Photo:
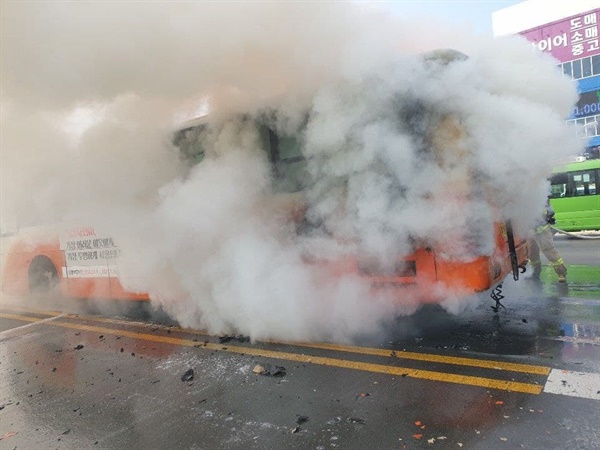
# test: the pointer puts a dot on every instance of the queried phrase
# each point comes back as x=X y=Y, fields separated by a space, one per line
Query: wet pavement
x=527 y=377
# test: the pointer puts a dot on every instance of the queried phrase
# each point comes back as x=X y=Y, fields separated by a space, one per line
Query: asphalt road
x=579 y=251
x=527 y=377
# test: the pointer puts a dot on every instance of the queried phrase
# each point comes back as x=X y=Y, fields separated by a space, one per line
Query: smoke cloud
x=393 y=141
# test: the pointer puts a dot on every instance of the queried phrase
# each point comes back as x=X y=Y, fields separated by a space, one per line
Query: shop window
x=577 y=69
x=580 y=127
x=586 y=64
x=590 y=126
x=596 y=65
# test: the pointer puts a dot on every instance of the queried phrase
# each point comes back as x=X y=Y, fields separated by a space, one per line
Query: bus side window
x=584 y=183
x=289 y=148
x=189 y=143
x=280 y=152
x=290 y=167
x=558 y=185
x=578 y=189
x=592 y=190
x=266 y=142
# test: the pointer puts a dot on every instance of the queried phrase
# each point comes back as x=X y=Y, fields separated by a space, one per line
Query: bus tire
x=43 y=276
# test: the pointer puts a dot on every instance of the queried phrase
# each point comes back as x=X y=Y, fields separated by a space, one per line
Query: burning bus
x=441 y=233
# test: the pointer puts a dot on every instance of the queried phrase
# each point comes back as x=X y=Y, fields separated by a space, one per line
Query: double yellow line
x=489 y=383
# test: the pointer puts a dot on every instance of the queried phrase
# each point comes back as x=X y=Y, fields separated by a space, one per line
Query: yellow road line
x=18 y=317
x=86 y=317
x=400 y=354
x=32 y=311
x=75 y=316
x=368 y=367
x=323 y=361
x=113 y=321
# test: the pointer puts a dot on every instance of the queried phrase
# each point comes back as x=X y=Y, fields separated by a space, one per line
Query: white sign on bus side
x=88 y=254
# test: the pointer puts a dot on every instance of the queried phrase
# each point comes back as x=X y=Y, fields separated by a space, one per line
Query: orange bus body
x=422 y=275
x=18 y=261
x=427 y=278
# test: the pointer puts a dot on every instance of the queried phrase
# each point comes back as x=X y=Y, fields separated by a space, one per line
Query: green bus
x=575 y=196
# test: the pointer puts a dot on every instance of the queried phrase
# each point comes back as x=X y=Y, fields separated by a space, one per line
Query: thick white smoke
x=394 y=144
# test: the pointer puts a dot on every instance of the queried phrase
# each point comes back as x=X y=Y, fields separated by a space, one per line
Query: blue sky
x=476 y=14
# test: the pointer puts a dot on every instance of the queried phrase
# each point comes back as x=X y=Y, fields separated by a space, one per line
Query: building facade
x=569 y=32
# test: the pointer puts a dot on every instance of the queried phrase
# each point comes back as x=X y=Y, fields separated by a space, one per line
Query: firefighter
x=543 y=240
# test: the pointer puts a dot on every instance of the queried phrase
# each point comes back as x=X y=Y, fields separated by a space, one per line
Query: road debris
x=188 y=375
x=269 y=370
x=295 y=430
x=356 y=420
x=228 y=338
x=301 y=419
x=275 y=371
x=8 y=434
x=419 y=424
x=79 y=347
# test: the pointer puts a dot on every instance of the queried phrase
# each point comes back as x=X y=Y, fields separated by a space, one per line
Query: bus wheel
x=43 y=276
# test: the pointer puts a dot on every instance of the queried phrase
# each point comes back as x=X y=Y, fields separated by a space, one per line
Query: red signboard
x=572 y=38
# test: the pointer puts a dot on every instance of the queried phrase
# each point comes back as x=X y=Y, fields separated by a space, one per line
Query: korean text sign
x=572 y=38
